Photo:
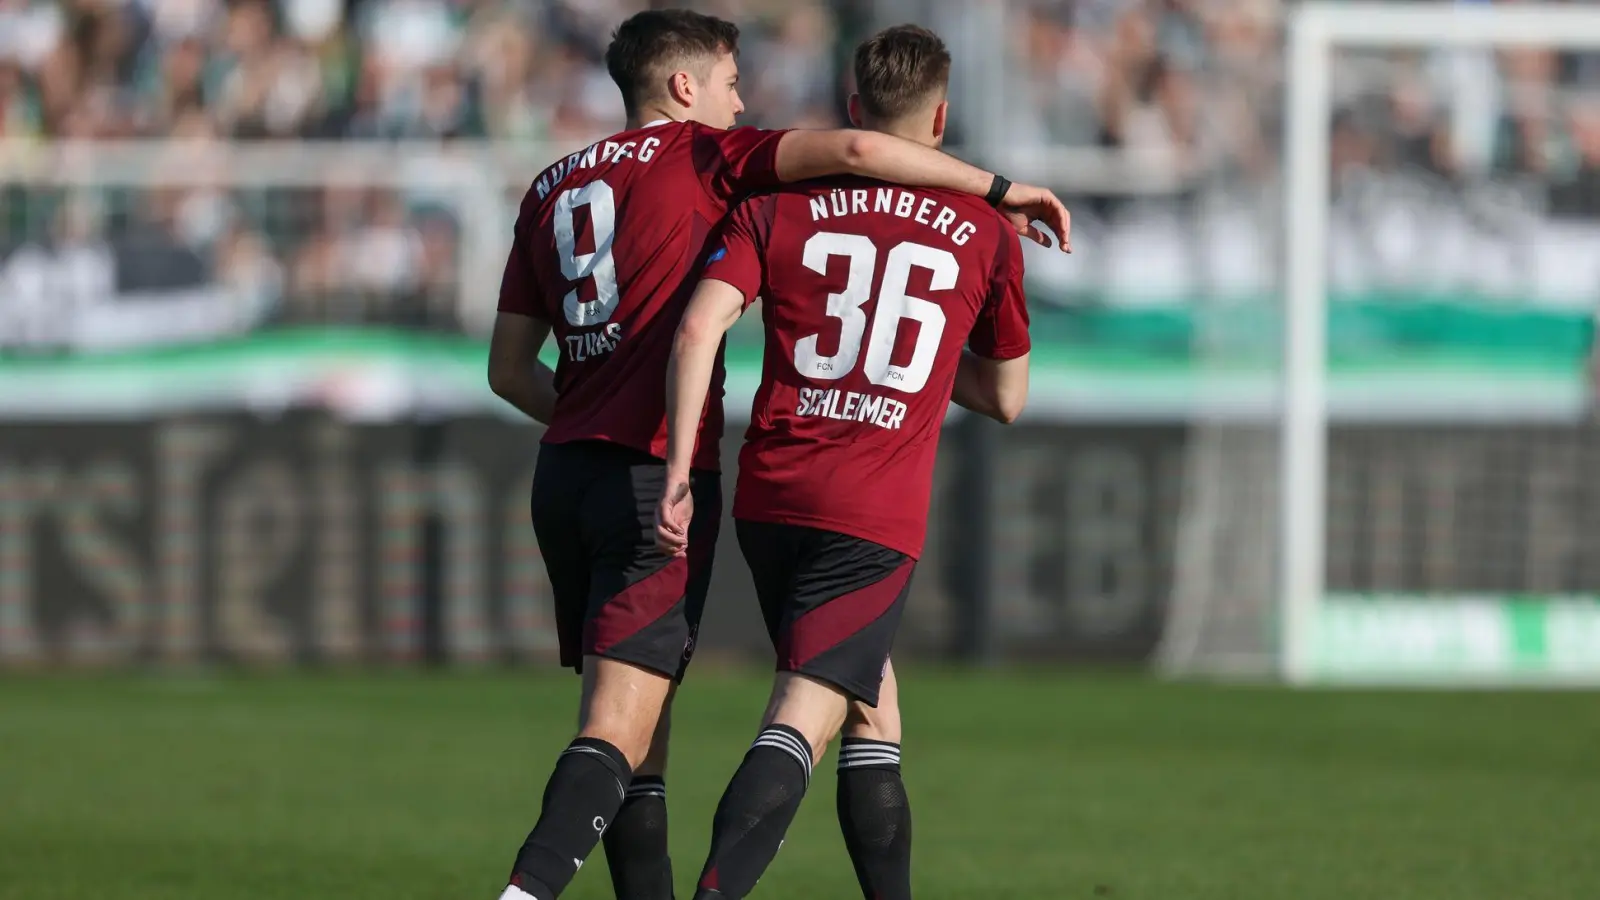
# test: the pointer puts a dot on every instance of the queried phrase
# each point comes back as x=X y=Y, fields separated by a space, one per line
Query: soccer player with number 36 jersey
x=608 y=242
x=880 y=304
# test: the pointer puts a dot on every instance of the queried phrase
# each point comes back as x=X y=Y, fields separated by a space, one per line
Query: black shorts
x=832 y=602
x=616 y=595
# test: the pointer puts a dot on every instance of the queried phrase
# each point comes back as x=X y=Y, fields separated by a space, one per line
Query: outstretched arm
x=803 y=155
x=716 y=305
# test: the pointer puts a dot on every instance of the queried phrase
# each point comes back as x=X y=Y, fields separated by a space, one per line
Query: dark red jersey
x=869 y=292
x=608 y=242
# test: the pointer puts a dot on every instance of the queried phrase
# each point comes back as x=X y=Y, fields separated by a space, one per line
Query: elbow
x=696 y=331
x=859 y=149
x=691 y=334
x=502 y=382
x=1008 y=408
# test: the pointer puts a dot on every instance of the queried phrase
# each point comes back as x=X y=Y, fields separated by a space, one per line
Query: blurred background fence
x=249 y=254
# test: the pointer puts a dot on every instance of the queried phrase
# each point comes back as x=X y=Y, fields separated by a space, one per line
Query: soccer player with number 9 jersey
x=880 y=304
x=607 y=244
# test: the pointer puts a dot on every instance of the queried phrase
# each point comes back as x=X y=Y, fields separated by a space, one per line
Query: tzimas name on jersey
x=605 y=152
x=590 y=344
x=894 y=202
x=850 y=406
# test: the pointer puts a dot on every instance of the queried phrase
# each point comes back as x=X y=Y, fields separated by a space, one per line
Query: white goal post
x=1316 y=29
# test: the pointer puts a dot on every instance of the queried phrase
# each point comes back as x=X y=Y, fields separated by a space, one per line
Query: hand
x=1023 y=204
x=673 y=514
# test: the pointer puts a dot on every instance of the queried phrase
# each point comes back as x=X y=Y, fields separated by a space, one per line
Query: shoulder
x=723 y=140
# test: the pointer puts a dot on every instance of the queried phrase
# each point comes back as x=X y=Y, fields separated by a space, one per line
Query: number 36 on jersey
x=893 y=306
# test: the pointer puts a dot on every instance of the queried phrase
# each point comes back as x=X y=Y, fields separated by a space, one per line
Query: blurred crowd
x=1199 y=80
x=373 y=69
x=1195 y=80
x=1194 y=84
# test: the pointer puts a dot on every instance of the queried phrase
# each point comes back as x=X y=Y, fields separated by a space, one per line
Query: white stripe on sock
x=582 y=748
x=787 y=747
x=849 y=749
x=513 y=892
x=866 y=751
x=864 y=763
x=799 y=744
x=878 y=753
x=788 y=743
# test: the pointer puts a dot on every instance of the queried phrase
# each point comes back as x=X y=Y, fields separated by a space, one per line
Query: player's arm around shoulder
x=802 y=155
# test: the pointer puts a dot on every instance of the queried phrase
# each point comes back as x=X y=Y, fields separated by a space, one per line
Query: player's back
x=869 y=294
x=607 y=241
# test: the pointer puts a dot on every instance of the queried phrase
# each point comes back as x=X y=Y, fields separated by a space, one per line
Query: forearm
x=889 y=158
x=534 y=394
x=694 y=357
x=816 y=154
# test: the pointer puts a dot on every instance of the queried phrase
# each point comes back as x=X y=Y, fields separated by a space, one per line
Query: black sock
x=875 y=816
x=755 y=812
x=580 y=800
x=636 y=843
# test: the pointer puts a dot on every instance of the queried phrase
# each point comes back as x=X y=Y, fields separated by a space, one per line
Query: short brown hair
x=898 y=68
x=653 y=44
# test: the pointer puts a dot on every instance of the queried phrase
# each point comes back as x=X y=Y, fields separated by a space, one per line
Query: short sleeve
x=1001 y=331
x=519 y=288
x=739 y=249
x=737 y=162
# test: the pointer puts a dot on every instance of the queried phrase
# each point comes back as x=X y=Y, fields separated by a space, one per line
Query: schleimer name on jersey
x=851 y=406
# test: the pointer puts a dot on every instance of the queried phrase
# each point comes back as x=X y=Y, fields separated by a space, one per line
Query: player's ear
x=941 y=115
x=855 y=110
x=682 y=89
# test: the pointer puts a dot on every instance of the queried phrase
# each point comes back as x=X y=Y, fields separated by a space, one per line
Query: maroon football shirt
x=607 y=242
x=869 y=291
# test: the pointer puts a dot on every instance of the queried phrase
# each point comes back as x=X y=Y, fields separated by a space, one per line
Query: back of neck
x=649 y=115
x=902 y=129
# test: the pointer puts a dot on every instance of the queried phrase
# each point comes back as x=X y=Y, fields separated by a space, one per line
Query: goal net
x=1405 y=491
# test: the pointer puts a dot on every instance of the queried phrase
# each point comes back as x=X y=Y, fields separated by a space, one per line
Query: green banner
x=1388 y=358
x=1463 y=638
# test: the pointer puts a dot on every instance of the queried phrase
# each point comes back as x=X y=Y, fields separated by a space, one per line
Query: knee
x=627 y=735
x=866 y=723
x=625 y=708
x=880 y=723
x=813 y=708
x=655 y=758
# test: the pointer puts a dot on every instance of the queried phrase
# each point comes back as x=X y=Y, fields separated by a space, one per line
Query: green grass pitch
x=1028 y=784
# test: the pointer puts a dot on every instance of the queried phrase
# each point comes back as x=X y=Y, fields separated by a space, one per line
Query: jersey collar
x=656 y=122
